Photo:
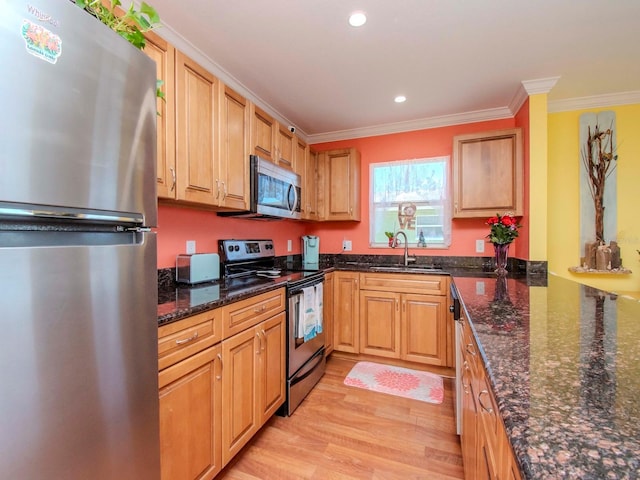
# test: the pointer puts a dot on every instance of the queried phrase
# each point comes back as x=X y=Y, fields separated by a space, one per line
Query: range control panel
x=243 y=250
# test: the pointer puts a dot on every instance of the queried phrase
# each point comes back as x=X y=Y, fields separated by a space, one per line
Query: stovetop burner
x=256 y=259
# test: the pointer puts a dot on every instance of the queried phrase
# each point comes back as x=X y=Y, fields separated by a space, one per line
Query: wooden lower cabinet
x=327 y=312
x=191 y=417
x=253 y=381
x=424 y=329
x=217 y=388
x=486 y=451
x=346 y=314
x=380 y=324
x=385 y=315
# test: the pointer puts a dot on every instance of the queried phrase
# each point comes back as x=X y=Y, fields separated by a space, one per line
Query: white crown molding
x=597 y=101
x=178 y=41
x=531 y=87
x=411 y=125
x=540 y=85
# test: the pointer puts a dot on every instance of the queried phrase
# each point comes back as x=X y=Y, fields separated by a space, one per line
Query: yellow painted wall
x=563 y=229
x=538 y=177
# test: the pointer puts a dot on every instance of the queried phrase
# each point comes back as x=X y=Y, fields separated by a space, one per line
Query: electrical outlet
x=191 y=246
x=347 y=246
x=479 y=246
x=289 y=246
x=479 y=288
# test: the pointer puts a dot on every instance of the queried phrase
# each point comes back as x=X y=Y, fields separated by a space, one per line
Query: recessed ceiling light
x=357 y=19
x=400 y=99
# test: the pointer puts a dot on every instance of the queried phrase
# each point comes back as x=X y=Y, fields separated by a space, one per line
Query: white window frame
x=441 y=201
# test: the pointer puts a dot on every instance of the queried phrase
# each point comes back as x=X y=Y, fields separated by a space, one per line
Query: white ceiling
x=301 y=59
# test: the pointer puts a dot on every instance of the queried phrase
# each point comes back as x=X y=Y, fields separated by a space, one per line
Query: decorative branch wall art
x=598 y=195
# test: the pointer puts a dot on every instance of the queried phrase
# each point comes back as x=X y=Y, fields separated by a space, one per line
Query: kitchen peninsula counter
x=564 y=363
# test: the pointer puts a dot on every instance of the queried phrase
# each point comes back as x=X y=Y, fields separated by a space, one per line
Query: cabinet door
x=481 y=161
x=196 y=104
x=311 y=186
x=327 y=312
x=191 y=416
x=301 y=161
x=346 y=315
x=340 y=195
x=285 y=147
x=163 y=54
x=239 y=376
x=233 y=168
x=424 y=329
x=469 y=436
x=263 y=133
x=380 y=323
x=272 y=375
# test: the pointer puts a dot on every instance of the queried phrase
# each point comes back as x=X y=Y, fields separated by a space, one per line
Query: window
x=412 y=196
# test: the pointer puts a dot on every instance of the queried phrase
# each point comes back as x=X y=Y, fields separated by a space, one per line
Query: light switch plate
x=289 y=246
x=479 y=246
x=191 y=246
x=479 y=288
x=347 y=246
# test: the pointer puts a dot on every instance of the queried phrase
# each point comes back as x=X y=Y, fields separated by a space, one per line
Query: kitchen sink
x=407 y=269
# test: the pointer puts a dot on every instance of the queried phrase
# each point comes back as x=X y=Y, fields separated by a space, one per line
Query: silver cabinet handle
x=260 y=309
x=173 y=176
x=470 y=350
x=187 y=340
x=259 y=343
x=488 y=410
x=219 y=377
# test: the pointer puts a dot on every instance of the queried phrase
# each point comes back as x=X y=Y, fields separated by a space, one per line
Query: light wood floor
x=342 y=432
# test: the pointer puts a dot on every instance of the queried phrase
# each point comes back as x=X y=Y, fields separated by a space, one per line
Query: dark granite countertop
x=179 y=301
x=564 y=363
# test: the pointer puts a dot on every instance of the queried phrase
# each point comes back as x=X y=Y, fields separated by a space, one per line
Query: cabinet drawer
x=405 y=283
x=241 y=315
x=184 y=338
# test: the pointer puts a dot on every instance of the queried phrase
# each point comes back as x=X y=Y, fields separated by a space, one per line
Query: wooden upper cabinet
x=197 y=116
x=310 y=186
x=488 y=173
x=305 y=166
x=164 y=54
x=339 y=185
x=285 y=147
x=233 y=165
x=263 y=134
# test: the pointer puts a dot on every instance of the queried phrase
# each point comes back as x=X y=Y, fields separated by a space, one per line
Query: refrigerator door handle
x=9 y=210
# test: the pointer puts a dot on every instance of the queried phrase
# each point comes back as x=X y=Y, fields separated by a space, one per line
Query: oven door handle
x=311 y=365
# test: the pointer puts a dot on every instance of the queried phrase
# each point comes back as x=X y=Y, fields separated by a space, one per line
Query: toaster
x=197 y=267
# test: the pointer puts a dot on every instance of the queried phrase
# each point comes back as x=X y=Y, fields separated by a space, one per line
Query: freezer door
x=78 y=117
x=78 y=356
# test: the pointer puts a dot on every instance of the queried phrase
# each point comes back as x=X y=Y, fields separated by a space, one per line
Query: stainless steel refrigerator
x=78 y=279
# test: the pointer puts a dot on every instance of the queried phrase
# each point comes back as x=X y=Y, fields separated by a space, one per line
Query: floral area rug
x=399 y=381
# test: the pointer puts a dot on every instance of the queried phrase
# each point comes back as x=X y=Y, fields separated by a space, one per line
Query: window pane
x=412 y=196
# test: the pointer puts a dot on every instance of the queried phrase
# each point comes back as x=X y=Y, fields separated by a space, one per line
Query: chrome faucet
x=394 y=244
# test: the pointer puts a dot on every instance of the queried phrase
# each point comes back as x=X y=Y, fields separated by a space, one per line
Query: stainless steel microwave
x=274 y=191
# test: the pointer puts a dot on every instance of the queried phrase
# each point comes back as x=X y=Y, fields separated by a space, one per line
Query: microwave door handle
x=292 y=208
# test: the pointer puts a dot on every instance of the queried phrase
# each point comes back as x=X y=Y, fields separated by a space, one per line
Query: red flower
x=508 y=221
x=492 y=221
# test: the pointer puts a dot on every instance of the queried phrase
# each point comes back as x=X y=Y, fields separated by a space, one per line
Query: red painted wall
x=176 y=225
x=401 y=146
